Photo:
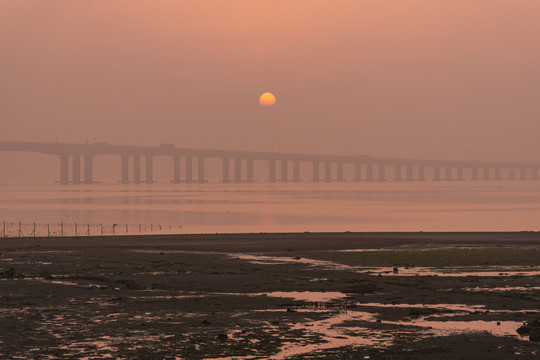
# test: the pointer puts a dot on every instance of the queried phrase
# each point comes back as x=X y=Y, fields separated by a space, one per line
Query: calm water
x=210 y=208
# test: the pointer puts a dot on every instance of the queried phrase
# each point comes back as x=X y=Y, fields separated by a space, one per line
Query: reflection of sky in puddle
x=449 y=307
x=307 y=295
x=438 y=247
x=335 y=331
x=352 y=327
x=404 y=271
x=507 y=288
x=334 y=336
x=453 y=271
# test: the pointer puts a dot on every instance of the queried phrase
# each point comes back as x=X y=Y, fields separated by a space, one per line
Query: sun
x=267 y=99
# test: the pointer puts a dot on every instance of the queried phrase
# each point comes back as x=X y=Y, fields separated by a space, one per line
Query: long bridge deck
x=281 y=166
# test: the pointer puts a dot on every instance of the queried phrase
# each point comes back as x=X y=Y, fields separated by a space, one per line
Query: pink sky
x=434 y=79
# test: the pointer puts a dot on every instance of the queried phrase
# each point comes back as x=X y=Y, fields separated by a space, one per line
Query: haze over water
x=210 y=208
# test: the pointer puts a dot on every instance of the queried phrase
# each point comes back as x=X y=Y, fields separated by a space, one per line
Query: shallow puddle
x=335 y=331
x=454 y=271
x=506 y=288
x=307 y=295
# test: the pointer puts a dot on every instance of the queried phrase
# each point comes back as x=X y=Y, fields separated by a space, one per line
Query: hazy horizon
x=446 y=80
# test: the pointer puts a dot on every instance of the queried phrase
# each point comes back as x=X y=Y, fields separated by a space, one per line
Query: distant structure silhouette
x=364 y=168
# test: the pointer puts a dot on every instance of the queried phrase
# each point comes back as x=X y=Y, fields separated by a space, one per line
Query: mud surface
x=278 y=296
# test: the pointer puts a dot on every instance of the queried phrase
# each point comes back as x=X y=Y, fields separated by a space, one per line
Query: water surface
x=262 y=207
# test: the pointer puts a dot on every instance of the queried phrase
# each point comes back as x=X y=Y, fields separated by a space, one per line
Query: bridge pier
x=340 y=171
x=410 y=172
x=421 y=173
x=511 y=173
x=475 y=171
x=316 y=171
x=176 y=169
x=436 y=173
x=487 y=175
x=149 y=162
x=328 y=171
x=460 y=173
x=64 y=169
x=397 y=172
x=88 y=169
x=522 y=173
x=369 y=172
x=357 y=172
x=200 y=170
x=237 y=170
x=497 y=173
x=137 y=168
x=534 y=174
x=382 y=172
x=76 y=169
x=225 y=170
x=448 y=173
x=125 y=168
x=250 y=171
x=296 y=171
x=272 y=171
x=284 y=168
x=189 y=169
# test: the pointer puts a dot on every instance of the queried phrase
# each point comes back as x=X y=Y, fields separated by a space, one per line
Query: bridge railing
x=10 y=229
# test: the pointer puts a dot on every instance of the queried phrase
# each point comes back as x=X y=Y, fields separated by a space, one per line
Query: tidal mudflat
x=277 y=296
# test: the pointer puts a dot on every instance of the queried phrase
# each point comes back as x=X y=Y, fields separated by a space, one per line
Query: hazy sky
x=455 y=79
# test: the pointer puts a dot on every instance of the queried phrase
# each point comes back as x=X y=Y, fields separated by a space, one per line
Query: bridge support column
x=272 y=171
x=225 y=170
x=486 y=174
x=250 y=171
x=296 y=171
x=436 y=173
x=88 y=169
x=237 y=170
x=125 y=169
x=76 y=169
x=189 y=169
x=523 y=173
x=497 y=173
x=511 y=174
x=284 y=175
x=357 y=172
x=475 y=171
x=176 y=169
x=149 y=162
x=340 y=171
x=316 y=171
x=382 y=173
x=137 y=169
x=328 y=171
x=410 y=173
x=534 y=174
x=460 y=173
x=369 y=172
x=200 y=170
x=448 y=173
x=421 y=173
x=397 y=172
x=64 y=169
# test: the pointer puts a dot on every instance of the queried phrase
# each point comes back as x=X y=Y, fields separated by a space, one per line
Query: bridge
x=238 y=166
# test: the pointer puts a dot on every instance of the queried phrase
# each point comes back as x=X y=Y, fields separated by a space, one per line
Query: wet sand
x=280 y=296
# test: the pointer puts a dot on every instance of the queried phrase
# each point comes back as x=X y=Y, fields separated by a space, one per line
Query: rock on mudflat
x=531 y=328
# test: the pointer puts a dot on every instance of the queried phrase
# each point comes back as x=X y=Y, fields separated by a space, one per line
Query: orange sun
x=267 y=99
